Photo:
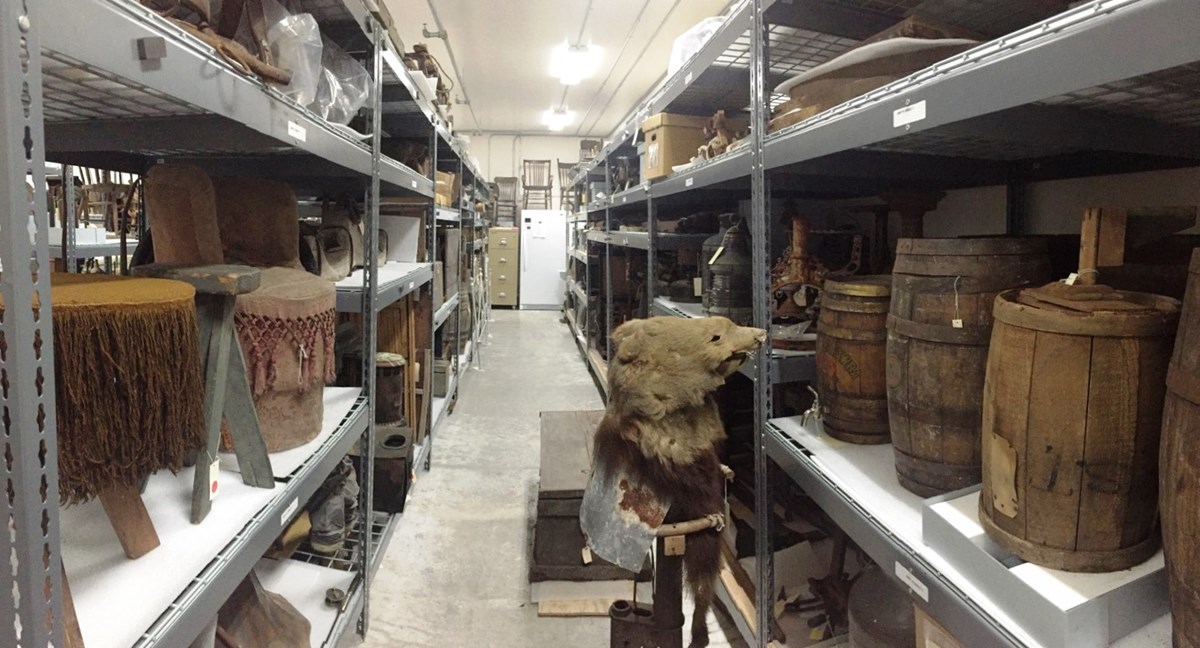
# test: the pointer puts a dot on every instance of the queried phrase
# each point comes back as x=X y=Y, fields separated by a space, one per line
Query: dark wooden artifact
x=939 y=326
x=1072 y=411
x=389 y=387
x=256 y=618
x=881 y=613
x=852 y=356
x=393 y=467
x=1179 y=482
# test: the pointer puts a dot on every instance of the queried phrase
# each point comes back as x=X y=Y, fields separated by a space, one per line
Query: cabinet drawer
x=503 y=278
x=504 y=297
x=501 y=261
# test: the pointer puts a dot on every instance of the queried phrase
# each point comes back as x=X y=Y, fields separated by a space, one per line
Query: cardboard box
x=671 y=140
x=931 y=634
x=448 y=244
x=444 y=188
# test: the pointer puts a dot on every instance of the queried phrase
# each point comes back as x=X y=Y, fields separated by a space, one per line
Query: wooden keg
x=938 y=331
x=1072 y=413
x=851 y=358
x=881 y=613
x=1179 y=481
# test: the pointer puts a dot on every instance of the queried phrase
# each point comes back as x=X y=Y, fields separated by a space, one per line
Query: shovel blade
x=619 y=516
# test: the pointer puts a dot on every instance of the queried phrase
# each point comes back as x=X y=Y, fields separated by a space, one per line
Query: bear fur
x=662 y=426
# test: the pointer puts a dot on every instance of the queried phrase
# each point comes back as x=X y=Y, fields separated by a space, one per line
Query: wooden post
x=912 y=208
x=1101 y=242
x=129 y=518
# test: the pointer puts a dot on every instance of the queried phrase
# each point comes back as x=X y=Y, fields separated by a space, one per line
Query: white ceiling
x=502 y=50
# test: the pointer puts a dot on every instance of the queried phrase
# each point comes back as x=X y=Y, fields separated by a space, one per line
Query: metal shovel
x=620 y=516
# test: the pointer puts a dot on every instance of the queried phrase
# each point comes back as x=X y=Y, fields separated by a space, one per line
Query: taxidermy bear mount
x=660 y=436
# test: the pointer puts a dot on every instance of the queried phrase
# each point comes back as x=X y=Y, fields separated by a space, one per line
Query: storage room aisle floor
x=457 y=570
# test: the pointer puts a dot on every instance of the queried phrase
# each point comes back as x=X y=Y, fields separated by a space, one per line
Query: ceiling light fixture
x=574 y=63
x=557 y=119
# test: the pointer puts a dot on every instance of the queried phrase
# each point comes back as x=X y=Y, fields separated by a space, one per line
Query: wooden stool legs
x=226 y=395
x=129 y=518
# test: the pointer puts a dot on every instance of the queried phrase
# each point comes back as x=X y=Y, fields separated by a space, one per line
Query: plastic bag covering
x=295 y=42
x=689 y=42
x=344 y=87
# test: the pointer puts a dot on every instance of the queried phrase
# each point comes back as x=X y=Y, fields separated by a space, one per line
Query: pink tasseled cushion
x=286 y=331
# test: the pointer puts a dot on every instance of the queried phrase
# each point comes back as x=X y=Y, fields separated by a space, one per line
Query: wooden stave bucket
x=947 y=433
x=880 y=613
x=1154 y=332
x=851 y=348
x=1179 y=469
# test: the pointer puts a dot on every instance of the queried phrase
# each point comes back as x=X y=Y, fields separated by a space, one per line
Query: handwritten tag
x=956 y=323
x=1072 y=278
x=716 y=254
x=689 y=182
x=214 y=484
x=687 y=79
x=697 y=287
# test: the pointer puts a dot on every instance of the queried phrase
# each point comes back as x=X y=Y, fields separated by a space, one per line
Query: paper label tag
x=214 y=483
x=414 y=183
x=907 y=577
x=697 y=287
x=411 y=284
x=908 y=114
x=587 y=555
x=1072 y=278
x=296 y=131
x=687 y=78
x=288 y=512
x=956 y=323
x=689 y=182
x=716 y=254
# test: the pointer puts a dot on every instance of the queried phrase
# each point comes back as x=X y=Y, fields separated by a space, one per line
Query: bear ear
x=629 y=339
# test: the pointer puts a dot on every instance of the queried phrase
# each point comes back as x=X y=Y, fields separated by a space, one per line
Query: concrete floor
x=457 y=570
x=456 y=573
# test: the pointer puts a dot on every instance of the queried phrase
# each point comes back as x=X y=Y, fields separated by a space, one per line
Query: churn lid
x=385 y=359
x=860 y=285
x=1088 y=310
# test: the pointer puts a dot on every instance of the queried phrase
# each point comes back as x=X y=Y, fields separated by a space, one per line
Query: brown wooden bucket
x=1179 y=481
x=935 y=369
x=1071 y=422
x=852 y=356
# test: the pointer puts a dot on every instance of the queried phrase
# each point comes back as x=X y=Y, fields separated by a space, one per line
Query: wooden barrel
x=852 y=356
x=1179 y=481
x=881 y=613
x=935 y=369
x=1072 y=414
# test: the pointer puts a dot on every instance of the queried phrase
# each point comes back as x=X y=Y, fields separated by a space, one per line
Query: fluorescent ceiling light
x=557 y=119
x=574 y=63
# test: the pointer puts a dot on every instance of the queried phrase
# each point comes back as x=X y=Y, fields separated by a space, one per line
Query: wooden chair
x=537 y=183
x=506 y=201
x=566 y=190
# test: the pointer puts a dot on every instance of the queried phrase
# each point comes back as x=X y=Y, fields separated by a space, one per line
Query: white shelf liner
x=389 y=273
x=118 y=599
x=304 y=585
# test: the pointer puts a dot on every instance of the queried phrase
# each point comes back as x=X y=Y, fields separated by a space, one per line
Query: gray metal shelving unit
x=1051 y=93
x=81 y=100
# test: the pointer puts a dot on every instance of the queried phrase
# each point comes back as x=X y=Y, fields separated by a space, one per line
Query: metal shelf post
x=760 y=234
x=33 y=582
x=369 y=315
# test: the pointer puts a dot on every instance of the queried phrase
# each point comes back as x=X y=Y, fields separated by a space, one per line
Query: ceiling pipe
x=625 y=78
x=441 y=33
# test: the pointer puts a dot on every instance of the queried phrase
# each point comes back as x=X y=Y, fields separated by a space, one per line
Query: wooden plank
x=242 y=420
x=1154 y=357
x=1089 y=244
x=566 y=461
x=208 y=280
x=591 y=608
x=125 y=510
x=216 y=313
x=1057 y=403
x=1108 y=449
x=1005 y=420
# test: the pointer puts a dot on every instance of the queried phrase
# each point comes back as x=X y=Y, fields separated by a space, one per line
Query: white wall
x=1056 y=207
x=501 y=155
